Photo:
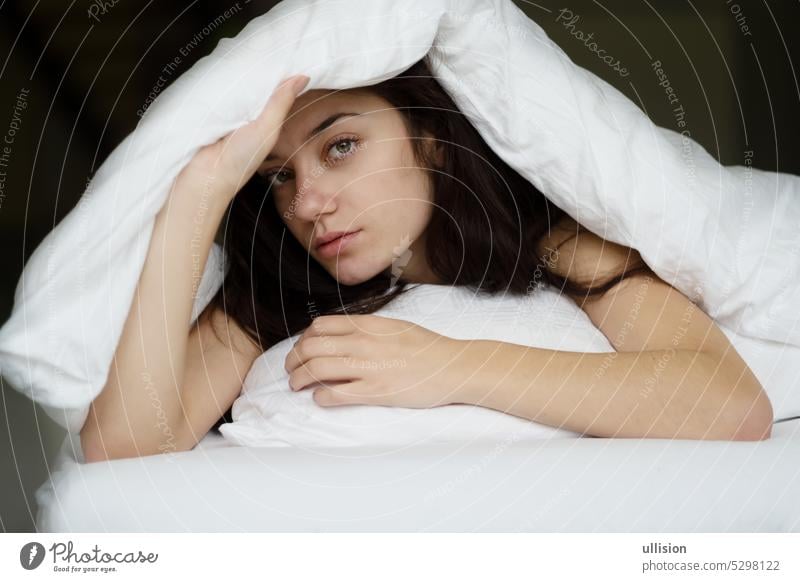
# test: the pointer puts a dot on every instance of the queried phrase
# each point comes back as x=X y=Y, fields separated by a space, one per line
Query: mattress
x=562 y=485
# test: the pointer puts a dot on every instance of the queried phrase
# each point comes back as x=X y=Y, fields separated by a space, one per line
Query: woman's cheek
x=285 y=206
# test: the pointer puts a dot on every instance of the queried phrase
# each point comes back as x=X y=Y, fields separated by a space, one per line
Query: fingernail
x=300 y=83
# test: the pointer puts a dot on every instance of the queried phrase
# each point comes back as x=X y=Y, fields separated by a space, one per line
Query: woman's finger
x=308 y=348
x=280 y=102
x=252 y=142
x=264 y=129
x=325 y=325
x=335 y=325
x=326 y=369
x=344 y=393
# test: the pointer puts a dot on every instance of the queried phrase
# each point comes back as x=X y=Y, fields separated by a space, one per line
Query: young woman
x=338 y=201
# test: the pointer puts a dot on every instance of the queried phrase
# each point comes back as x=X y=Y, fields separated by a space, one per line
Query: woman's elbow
x=757 y=423
x=94 y=455
x=92 y=447
x=96 y=450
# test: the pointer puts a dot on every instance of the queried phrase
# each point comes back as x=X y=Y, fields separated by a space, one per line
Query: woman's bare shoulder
x=576 y=253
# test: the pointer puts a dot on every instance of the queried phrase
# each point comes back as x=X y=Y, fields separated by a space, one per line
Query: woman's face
x=343 y=162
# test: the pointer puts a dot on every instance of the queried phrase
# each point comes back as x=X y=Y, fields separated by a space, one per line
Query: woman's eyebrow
x=325 y=124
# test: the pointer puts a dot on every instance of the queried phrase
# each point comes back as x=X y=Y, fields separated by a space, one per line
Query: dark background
x=87 y=77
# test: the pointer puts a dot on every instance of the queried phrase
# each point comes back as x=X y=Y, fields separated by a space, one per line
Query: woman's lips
x=334 y=247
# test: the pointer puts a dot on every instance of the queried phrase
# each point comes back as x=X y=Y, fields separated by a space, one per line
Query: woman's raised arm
x=159 y=394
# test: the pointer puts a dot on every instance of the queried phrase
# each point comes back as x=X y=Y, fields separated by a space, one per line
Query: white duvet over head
x=726 y=236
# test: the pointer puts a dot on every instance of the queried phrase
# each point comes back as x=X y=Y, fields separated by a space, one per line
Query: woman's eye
x=273 y=178
x=342 y=148
x=338 y=150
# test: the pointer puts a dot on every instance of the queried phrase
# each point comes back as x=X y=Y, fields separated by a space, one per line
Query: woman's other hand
x=369 y=359
x=223 y=167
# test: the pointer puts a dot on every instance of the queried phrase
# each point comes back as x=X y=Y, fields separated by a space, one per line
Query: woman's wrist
x=483 y=368
x=201 y=197
x=470 y=369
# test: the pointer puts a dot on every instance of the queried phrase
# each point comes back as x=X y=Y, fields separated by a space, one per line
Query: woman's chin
x=350 y=280
x=350 y=277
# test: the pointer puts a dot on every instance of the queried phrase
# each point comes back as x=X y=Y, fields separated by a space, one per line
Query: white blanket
x=558 y=485
x=726 y=236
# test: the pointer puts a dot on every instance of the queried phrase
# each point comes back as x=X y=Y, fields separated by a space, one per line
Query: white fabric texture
x=270 y=413
x=558 y=485
x=726 y=236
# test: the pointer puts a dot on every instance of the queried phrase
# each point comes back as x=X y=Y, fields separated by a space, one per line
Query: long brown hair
x=487 y=220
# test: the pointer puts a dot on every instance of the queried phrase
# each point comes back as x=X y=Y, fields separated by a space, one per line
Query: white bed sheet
x=563 y=485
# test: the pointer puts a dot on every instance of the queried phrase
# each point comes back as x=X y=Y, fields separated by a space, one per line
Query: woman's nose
x=316 y=194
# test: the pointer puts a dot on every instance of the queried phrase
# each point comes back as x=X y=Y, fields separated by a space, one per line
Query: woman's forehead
x=316 y=110
x=313 y=101
x=314 y=107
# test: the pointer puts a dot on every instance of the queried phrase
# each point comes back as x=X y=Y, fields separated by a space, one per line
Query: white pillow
x=269 y=413
x=726 y=236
